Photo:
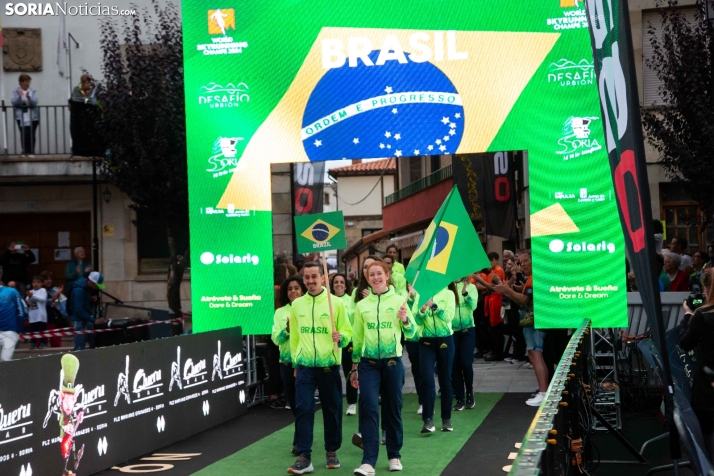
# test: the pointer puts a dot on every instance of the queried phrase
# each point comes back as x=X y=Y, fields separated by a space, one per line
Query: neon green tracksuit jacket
x=464 y=318
x=400 y=284
x=280 y=336
x=377 y=330
x=311 y=331
x=438 y=323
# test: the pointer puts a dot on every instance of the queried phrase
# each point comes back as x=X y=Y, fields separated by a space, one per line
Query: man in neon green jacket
x=313 y=351
x=398 y=279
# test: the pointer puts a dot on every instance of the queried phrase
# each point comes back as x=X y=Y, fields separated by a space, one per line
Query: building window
x=682 y=216
x=415 y=172
x=327 y=199
x=651 y=83
x=369 y=231
x=153 y=248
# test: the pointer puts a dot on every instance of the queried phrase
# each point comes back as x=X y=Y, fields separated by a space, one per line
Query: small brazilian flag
x=320 y=232
x=449 y=250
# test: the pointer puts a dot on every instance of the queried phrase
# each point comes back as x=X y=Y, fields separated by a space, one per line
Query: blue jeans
x=328 y=381
x=81 y=339
x=286 y=375
x=439 y=350
x=413 y=351
x=463 y=374
x=385 y=376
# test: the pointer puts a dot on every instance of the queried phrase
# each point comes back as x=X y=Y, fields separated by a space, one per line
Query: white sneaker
x=395 y=464
x=535 y=401
x=365 y=470
x=527 y=365
x=351 y=409
x=420 y=410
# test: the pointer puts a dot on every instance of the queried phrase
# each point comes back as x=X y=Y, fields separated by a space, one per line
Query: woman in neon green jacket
x=379 y=320
x=437 y=347
x=341 y=288
x=291 y=289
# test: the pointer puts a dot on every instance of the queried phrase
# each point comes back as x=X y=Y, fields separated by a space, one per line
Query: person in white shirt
x=36 y=302
x=27 y=114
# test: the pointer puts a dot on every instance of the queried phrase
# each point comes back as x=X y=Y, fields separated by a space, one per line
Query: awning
x=410 y=239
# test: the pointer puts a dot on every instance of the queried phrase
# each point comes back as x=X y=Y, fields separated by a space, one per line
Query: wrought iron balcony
x=52 y=136
x=414 y=187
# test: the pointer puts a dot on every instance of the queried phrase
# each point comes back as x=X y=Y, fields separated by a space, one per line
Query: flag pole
x=329 y=294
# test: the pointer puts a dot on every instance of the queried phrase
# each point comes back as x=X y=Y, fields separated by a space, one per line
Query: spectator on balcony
x=86 y=90
x=27 y=114
x=679 y=245
x=14 y=264
x=678 y=280
x=78 y=267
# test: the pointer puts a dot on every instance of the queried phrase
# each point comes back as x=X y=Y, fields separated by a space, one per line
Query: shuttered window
x=651 y=94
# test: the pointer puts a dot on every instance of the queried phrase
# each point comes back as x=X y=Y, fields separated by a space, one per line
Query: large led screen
x=294 y=81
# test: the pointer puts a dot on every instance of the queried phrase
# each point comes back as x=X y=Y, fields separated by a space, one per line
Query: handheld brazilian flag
x=320 y=232
x=449 y=250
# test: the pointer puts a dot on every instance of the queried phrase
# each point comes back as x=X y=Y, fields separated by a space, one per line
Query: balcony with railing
x=416 y=204
x=52 y=136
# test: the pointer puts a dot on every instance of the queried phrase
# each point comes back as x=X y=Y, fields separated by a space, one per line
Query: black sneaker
x=294 y=451
x=470 y=403
x=357 y=440
x=478 y=355
x=446 y=426
x=302 y=465
x=459 y=406
x=276 y=404
x=428 y=427
x=332 y=461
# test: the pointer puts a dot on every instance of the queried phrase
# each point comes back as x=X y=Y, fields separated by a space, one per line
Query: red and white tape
x=61 y=333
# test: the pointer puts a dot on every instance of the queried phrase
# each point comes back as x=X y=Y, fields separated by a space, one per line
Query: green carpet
x=421 y=454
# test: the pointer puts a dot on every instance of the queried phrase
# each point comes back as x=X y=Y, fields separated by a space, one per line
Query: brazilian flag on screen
x=320 y=232
x=449 y=250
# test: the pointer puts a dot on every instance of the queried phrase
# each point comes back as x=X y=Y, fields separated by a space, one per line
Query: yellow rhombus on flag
x=449 y=250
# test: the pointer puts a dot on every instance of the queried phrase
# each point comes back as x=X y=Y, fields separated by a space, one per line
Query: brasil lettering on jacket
x=382 y=325
x=313 y=330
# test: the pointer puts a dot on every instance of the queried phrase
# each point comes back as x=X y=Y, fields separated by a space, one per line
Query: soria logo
x=576 y=141
x=558 y=246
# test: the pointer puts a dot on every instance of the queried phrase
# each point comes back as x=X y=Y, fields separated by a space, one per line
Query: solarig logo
x=224 y=160
x=568 y=73
x=216 y=96
x=209 y=258
x=576 y=140
x=398 y=104
x=558 y=246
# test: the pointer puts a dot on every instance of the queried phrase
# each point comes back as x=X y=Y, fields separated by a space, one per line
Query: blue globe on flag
x=392 y=110
x=320 y=232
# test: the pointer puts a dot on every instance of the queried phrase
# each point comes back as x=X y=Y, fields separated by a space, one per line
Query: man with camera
x=14 y=264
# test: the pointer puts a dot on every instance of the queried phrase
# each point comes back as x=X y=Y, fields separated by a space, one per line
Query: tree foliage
x=682 y=130
x=144 y=124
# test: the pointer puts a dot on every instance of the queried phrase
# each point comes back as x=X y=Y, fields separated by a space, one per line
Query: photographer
x=698 y=332
x=14 y=264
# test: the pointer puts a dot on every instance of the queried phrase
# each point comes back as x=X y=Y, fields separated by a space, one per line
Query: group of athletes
x=370 y=324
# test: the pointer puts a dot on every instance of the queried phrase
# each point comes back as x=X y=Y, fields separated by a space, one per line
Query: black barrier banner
x=82 y=412
x=486 y=183
x=308 y=178
x=468 y=178
x=500 y=195
x=611 y=40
